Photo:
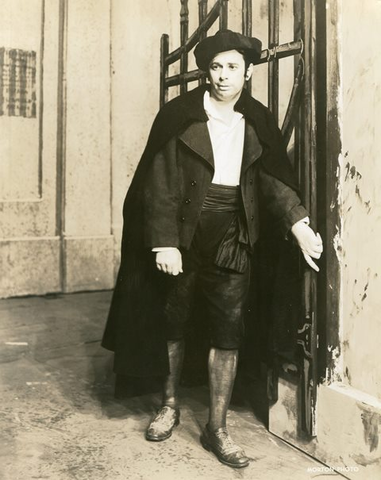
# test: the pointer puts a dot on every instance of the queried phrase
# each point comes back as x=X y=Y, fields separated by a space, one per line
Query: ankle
x=170 y=402
x=213 y=426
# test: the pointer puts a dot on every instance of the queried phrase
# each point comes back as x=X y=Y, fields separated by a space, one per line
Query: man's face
x=227 y=75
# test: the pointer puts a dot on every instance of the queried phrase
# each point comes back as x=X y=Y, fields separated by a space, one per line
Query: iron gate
x=300 y=118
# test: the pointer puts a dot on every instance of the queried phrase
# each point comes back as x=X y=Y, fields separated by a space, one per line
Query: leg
x=226 y=314
x=168 y=416
x=222 y=371
x=176 y=309
x=215 y=437
x=171 y=382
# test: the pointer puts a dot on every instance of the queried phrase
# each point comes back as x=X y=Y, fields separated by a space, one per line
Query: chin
x=226 y=96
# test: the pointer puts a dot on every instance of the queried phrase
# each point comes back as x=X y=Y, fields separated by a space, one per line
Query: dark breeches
x=224 y=290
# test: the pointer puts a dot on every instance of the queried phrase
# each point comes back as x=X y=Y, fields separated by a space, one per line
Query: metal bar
x=298 y=155
x=247 y=25
x=184 y=29
x=223 y=14
x=202 y=14
x=184 y=78
x=286 y=50
x=247 y=17
x=194 y=38
x=164 y=45
x=313 y=213
x=280 y=51
x=293 y=104
x=273 y=78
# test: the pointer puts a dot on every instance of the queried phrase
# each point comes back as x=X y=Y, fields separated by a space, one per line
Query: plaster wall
x=29 y=245
x=361 y=195
x=86 y=171
x=135 y=70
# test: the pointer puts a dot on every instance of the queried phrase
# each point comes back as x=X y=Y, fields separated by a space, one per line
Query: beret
x=223 y=41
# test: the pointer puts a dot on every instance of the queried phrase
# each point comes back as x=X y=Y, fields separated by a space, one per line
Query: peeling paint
x=351 y=172
x=335 y=374
x=357 y=192
x=365 y=461
x=371 y=420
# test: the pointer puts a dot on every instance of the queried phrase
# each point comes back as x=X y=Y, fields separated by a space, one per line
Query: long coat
x=162 y=208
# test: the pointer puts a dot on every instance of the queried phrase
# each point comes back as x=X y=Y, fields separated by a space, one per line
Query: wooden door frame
x=328 y=212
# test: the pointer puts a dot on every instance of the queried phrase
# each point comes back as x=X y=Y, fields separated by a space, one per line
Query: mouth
x=223 y=87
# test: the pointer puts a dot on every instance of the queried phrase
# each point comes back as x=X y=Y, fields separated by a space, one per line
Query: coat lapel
x=196 y=137
x=252 y=149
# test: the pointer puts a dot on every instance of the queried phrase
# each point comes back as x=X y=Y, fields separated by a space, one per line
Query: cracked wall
x=361 y=197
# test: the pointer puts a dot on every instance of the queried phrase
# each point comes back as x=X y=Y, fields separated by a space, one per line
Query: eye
x=214 y=66
x=233 y=67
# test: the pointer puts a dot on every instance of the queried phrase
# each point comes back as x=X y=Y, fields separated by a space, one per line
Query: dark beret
x=223 y=41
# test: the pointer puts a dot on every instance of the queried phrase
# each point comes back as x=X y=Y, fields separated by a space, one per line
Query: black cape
x=134 y=329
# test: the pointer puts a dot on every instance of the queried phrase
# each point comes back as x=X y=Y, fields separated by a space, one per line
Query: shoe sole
x=161 y=439
x=209 y=448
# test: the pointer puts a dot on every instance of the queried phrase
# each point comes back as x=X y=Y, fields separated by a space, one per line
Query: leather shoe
x=161 y=426
x=221 y=444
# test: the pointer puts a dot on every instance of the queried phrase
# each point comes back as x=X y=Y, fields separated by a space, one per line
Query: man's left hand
x=310 y=243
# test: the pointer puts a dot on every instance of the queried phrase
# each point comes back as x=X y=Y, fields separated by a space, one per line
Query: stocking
x=222 y=371
x=171 y=382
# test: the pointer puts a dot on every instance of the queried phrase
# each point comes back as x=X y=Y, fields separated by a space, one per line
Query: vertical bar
x=184 y=27
x=298 y=137
x=223 y=14
x=41 y=94
x=247 y=25
x=329 y=148
x=273 y=79
x=308 y=170
x=247 y=17
x=61 y=136
x=202 y=13
x=164 y=47
x=273 y=88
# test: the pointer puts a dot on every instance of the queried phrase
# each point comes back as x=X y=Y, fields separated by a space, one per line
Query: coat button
x=252 y=199
x=187 y=201
x=252 y=217
x=251 y=181
x=182 y=219
x=193 y=183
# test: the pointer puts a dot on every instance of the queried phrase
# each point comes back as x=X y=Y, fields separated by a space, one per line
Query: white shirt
x=227 y=142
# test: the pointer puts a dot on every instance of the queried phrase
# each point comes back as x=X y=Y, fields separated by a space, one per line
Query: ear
x=249 y=72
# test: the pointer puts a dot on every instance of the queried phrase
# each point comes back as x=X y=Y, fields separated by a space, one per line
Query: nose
x=223 y=73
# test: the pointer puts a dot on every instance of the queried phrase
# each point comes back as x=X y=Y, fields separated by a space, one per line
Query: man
x=214 y=158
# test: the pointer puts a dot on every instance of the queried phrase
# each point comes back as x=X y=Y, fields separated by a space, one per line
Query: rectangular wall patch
x=18 y=83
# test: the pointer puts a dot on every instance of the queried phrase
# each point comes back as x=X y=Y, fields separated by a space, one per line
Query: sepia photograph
x=190 y=211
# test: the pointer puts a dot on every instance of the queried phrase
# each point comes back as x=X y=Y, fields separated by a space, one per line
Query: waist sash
x=222 y=198
x=233 y=251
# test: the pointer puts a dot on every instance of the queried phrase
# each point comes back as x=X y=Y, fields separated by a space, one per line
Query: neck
x=222 y=103
x=225 y=107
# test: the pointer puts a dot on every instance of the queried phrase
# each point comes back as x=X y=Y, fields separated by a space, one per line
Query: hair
x=245 y=57
x=247 y=61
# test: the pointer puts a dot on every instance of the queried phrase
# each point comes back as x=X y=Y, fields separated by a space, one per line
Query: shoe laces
x=165 y=416
x=227 y=444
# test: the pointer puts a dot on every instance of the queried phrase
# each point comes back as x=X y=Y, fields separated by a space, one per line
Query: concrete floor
x=59 y=419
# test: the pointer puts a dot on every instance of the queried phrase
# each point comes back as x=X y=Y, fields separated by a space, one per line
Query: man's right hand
x=169 y=261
